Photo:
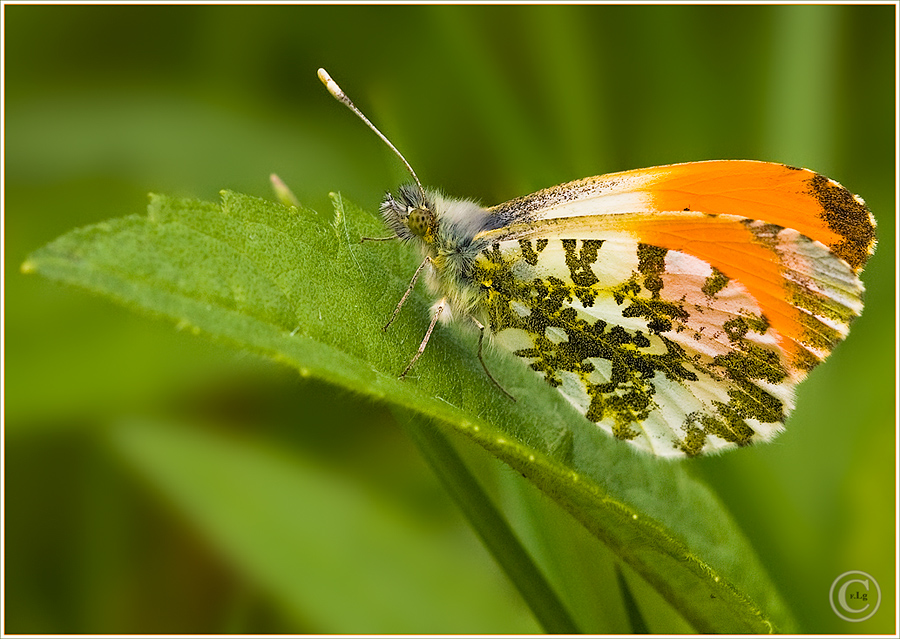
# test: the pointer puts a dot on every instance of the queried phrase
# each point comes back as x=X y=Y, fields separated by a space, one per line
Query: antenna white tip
x=331 y=85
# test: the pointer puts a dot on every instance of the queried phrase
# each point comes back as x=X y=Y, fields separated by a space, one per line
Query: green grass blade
x=491 y=526
x=638 y=625
x=336 y=556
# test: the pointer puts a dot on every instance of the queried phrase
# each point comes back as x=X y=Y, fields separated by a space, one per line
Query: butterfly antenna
x=340 y=96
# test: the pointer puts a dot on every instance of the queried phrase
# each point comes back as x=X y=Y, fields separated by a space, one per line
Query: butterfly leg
x=403 y=299
x=440 y=309
x=481 y=359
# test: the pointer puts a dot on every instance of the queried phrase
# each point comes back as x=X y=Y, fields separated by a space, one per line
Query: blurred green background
x=105 y=104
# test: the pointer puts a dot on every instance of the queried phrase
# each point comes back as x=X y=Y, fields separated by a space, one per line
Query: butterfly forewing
x=677 y=307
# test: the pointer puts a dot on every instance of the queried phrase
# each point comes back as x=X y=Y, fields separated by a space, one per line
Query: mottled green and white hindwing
x=653 y=345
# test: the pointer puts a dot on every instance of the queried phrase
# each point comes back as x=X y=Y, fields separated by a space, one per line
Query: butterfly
x=676 y=307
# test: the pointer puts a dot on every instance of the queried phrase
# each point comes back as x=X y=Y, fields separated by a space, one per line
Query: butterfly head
x=411 y=214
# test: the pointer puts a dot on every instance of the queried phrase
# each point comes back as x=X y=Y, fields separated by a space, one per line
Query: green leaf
x=297 y=286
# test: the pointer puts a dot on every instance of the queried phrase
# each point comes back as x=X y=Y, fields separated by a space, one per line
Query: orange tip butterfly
x=676 y=307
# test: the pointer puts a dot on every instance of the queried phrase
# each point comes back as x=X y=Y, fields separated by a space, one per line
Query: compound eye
x=418 y=220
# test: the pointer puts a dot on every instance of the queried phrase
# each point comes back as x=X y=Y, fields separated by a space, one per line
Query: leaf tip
x=283 y=192
x=28 y=266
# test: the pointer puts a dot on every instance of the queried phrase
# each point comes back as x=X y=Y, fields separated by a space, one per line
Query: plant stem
x=490 y=525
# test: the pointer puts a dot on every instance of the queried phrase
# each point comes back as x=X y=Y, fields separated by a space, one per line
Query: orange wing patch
x=819 y=208
x=732 y=246
x=808 y=295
